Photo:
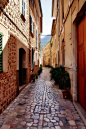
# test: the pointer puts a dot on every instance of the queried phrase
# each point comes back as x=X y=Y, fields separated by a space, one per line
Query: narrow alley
x=41 y=106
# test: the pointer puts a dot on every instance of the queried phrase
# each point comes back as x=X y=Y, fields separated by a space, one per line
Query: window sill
x=23 y=18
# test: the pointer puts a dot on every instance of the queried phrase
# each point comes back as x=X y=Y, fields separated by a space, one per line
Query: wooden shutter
x=22 y=6
x=24 y=9
x=29 y=55
x=1 y=54
x=36 y=13
x=33 y=3
x=36 y=37
x=30 y=24
x=32 y=58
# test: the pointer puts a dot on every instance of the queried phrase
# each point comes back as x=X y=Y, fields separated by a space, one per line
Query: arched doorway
x=22 y=67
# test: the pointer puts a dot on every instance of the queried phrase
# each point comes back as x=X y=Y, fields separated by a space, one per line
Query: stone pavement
x=41 y=106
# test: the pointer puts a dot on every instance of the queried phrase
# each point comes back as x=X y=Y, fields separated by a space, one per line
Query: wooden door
x=81 y=64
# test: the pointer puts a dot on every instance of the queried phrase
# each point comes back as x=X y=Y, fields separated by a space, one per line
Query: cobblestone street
x=40 y=106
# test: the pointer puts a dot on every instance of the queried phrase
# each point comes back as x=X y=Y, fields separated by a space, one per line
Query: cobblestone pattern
x=8 y=88
x=41 y=106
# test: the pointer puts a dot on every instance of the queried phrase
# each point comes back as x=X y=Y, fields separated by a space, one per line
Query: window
x=33 y=3
x=63 y=11
x=29 y=55
x=36 y=13
x=58 y=4
x=33 y=28
x=1 y=54
x=32 y=58
x=36 y=37
x=36 y=63
x=30 y=24
x=23 y=8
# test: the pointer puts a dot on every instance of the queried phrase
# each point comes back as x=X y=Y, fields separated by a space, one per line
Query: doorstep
x=81 y=111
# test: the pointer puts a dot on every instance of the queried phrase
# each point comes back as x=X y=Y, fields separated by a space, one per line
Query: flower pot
x=65 y=95
x=33 y=80
x=36 y=77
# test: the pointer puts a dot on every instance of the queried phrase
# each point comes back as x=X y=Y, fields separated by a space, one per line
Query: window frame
x=23 y=8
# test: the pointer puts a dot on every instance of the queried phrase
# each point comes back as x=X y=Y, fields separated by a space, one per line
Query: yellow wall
x=46 y=55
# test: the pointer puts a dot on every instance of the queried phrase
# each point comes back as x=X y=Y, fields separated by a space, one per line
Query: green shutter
x=1 y=54
x=24 y=9
x=32 y=58
x=22 y=6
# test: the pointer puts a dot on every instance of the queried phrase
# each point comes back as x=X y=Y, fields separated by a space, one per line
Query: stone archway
x=22 y=69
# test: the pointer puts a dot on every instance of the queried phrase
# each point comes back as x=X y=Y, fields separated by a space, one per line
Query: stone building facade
x=47 y=54
x=70 y=38
x=16 y=46
x=53 y=44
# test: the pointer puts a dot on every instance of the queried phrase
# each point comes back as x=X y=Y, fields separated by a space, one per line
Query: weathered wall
x=8 y=87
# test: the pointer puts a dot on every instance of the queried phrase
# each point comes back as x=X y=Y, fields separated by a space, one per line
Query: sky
x=47 y=17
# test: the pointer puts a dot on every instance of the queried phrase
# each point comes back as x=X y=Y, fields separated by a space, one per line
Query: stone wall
x=17 y=30
x=33 y=38
x=8 y=87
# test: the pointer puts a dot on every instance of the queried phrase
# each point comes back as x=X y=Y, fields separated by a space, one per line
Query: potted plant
x=33 y=77
x=40 y=70
x=61 y=77
x=64 y=82
x=36 y=75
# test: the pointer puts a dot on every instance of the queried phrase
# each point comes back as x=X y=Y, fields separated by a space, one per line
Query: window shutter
x=33 y=3
x=1 y=54
x=22 y=6
x=30 y=24
x=33 y=27
x=29 y=55
x=36 y=13
x=36 y=37
x=24 y=9
x=32 y=58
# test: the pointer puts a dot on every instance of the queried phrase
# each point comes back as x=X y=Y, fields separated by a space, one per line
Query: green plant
x=61 y=77
x=40 y=70
x=32 y=76
x=49 y=66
